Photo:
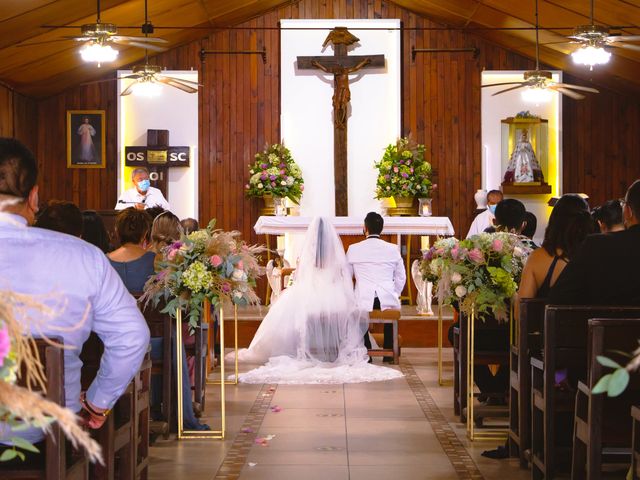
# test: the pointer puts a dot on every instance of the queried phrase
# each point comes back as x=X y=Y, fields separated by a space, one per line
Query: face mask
x=492 y=208
x=144 y=185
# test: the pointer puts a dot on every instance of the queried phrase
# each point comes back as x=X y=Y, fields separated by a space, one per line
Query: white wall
x=306 y=112
x=495 y=109
x=172 y=110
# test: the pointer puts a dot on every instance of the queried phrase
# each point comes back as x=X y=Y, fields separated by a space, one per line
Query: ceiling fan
x=97 y=37
x=541 y=80
x=593 y=39
x=148 y=77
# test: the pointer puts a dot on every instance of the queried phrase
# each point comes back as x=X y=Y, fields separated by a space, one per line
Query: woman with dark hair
x=608 y=217
x=131 y=260
x=61 y=216
x=569 y=224
x=94 y=232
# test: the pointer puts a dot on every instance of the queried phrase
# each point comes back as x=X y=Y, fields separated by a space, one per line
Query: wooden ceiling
x=48 y=68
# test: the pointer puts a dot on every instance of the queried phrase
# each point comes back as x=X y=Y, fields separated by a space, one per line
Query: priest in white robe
x=484 y=219
x=142 y=195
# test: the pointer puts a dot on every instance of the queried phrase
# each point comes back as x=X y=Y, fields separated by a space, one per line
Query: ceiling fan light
x=591 y=56
x=147 y=88
x=98 y=53
x=537 y=95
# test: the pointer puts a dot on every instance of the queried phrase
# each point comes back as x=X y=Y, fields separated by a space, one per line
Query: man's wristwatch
x=88 y=408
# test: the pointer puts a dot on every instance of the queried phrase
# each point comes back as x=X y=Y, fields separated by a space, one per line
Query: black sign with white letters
x=154 y=156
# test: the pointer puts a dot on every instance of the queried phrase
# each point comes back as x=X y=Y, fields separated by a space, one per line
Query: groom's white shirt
x=379 y=271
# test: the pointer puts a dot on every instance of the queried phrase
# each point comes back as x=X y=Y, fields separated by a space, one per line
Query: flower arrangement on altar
x=403 y=171
x=275 y=172
x=20 y=406
x=206 y=264
x=480 y=273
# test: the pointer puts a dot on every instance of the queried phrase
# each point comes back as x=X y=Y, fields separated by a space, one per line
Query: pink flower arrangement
x=215 y=261
x=476 y=255
x=5 y=343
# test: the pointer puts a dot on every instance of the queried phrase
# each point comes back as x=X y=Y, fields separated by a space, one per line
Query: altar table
x=441 y=226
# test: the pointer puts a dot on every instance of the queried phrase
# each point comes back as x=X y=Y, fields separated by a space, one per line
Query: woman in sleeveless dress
x=569 y=224
x=314 y=332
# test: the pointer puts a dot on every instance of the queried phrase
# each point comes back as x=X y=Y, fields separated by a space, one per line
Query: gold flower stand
x=484 y=433
x=199 y=434
x=441 y=381
x=212 y=343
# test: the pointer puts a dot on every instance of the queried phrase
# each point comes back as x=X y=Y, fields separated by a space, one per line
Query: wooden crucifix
x=341 y=65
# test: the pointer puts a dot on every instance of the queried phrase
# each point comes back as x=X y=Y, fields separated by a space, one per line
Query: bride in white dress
x=314 y=332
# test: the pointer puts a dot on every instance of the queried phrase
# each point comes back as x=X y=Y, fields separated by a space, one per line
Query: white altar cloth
x=268 y=225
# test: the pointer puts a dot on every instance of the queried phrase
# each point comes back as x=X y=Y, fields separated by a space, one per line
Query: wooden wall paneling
x=6 y=112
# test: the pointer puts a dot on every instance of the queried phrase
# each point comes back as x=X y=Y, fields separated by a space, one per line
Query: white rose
x=461 y=291
x=456 y=277
x=283 y=183
x=260 y=185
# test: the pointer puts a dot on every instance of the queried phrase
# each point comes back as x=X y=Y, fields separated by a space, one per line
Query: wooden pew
x=601 y=423
x=552 y=409
x=635 y=443
x=142 y=389
x=162 y=325
x=482 y=357
x=117 y=435
x=527 y=343
x=56 y=465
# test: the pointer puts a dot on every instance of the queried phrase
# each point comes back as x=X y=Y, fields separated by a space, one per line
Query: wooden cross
x=157 y=157
x=341 y=65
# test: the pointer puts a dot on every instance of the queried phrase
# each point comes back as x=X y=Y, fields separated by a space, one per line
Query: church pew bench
x=58 y=463
x=527 y=343
x=162 y=325
x=386 y=317
x=601 y=423
x=552 y=407
x=117 y=435
x=142 y=389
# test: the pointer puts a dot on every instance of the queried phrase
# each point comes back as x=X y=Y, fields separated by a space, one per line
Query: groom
x=380 y=276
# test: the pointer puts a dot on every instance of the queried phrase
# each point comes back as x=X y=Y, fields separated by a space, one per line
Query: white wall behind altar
x=306 y=111
x=172 y=110
x=495 y=109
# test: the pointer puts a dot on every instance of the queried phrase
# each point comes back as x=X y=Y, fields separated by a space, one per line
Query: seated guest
x=165 y=230
x=94 y=232
x=511 y=218
x=132 y=261
x=189 y=225
x=61 y=216
x=76 y=280
x=142 y=195
x=484 y=219
x=605 y=268
x=609 y=217
x=569 y=224
x=531 y=225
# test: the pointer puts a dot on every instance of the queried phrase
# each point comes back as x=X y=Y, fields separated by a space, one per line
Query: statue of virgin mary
x=523 y=166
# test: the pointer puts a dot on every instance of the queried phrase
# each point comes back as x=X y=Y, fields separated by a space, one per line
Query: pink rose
x=454 y=252
x=240 y=265
x=215 y=261
x=395 y=169
x=171 y=255
x=476 y=256
x=301 y=187
x=496 y=245
x=5 y=343
x=226 y=287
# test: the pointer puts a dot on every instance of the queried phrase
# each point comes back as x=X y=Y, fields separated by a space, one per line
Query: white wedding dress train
x=314 y=333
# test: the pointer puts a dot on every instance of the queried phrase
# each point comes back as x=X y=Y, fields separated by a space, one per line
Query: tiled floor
x=401 y=430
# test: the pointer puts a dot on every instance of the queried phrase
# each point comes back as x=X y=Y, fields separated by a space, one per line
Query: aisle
x=401 y=429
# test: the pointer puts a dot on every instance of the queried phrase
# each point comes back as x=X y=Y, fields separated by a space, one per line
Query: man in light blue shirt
x=75 y=278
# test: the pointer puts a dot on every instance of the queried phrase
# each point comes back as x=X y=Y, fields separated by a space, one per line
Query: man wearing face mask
x=142 y=195
x=484 y=219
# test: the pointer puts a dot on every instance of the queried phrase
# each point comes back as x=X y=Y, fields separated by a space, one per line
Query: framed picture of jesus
x=86 y=139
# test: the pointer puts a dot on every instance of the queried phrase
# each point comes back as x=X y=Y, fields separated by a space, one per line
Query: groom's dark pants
x=388 y=332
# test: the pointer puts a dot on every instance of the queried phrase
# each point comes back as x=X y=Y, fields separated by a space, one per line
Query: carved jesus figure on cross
x=341 y=93
x=340 y=65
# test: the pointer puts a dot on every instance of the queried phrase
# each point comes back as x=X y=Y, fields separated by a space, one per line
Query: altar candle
x=424 y=243
x=280 y=242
